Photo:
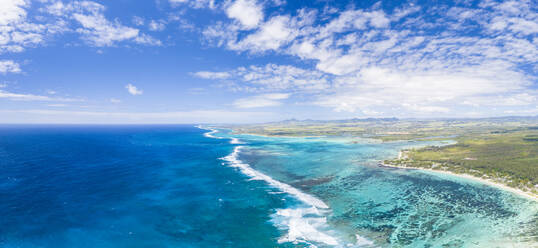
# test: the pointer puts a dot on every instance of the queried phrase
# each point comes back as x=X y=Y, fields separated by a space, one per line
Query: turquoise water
x=375 y=206
x=181 y=186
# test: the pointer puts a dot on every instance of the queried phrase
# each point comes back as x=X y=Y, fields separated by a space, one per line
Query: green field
x=510 y=158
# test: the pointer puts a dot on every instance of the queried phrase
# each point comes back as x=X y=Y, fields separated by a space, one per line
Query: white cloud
x=23 y=97
x=138 y=21
x=114 y=100
x=9 y=66
x=19 y=30
x=247 y=12
x=356 y=60
x=401 y=12
x=99 y=31
x=157 y=25
x=370 y=60
x=16 y=32
x=263 y=100
x=270 y=77
x=196 y=4
x=212 y=75
x=271 y=36
x=133 y=90
x=378 y=19
x=429 y=91
x=30 y=97
x=12 y=11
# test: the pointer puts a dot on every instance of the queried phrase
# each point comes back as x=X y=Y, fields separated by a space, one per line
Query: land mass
x=501 y=151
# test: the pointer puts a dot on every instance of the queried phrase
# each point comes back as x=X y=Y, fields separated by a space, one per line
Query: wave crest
x=304 y=224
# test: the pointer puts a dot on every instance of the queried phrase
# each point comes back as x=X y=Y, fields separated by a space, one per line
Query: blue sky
x=182 y=61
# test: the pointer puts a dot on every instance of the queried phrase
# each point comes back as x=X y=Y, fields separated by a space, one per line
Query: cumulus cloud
x=157 y=25
x=271 y=36
x=421 y=59
x=100 y=32
x=425 y=91
x=133 y=90
x=378 y=59
x=12 y=11
x=247 y=12
x=9 y=66
x=212 y=75
x=19 y=30
x=263 y=100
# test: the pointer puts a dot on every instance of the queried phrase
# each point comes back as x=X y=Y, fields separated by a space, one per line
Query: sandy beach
x=489 y=182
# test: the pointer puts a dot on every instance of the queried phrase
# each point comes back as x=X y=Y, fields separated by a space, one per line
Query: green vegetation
x=503 y=149
x=390 y=129
x=509 y=158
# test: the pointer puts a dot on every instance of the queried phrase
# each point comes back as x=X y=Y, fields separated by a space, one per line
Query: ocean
x=185 y=186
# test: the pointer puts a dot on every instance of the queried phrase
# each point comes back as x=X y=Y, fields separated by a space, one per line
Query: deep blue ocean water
x=173 y=186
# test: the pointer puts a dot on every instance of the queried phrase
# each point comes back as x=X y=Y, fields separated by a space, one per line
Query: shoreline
x=489 y=182
x=353 y=139
x=277 y=136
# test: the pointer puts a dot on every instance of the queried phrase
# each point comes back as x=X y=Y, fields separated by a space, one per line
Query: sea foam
x=210 y=134
x=306 y=224
x=235 y=141
x=256 y=175
x=213 y=131
x=303 y=224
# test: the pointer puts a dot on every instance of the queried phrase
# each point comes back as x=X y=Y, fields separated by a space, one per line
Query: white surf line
x=256 y=175
x=210 y=134
x=235 y=141
x=300 y=227
x=213 y=131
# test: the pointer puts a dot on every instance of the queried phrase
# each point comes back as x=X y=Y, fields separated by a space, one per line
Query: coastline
x=489 y=182
x=524 y=194
x=288 y=219
x=352 y=139
x=278 y=136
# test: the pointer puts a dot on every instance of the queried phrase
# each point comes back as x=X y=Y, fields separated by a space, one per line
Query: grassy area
x=510 y=158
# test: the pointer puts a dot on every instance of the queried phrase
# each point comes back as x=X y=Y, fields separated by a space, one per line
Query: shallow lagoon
x=394 y=207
